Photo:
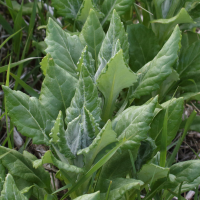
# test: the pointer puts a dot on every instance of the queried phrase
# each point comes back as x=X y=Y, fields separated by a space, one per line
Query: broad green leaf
x=2 y=175
x=113 y=78
x=165 y=26
x=120 y=187
x=92 y=34
x=135 y=121
x=195 y=124
x=151 y=172
x=116 y=35
x=189 y=96
x=57 y=90
x=67 y=8
x=85 y=8
x=93 y=196
x=185 y=171
x=86 y=60
x=152 y=74
x=189 y=60
x=63 y=48
x=143 y=45
x=70 y=171
x=20 y=166
x=44 y=64
x=58 y=136
x=121 y=6
x=10 y=191
x=28 y=115
x=86 y=95
x=104 y=138
x=145 y=153
x=175 y=110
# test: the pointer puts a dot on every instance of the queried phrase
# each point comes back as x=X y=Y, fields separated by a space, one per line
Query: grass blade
x=4 y=68
x=163 y=148
x=187 y=126
x=6 y=25
x=28 y=89
x=17 y=26
x=108 y=192
x=7 y=39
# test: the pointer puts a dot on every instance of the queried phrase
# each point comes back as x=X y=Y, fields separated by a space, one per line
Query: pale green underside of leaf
x=20 y=166
x=104 y=138
x=151 y=172
x=135 y=121
x=93 y=196
x=85 y=8
x=67 y=8
x=10 y=190
x=86 y=95
x=121 y=6
x=86 y=60
x=143 y=45
x=58 y=137
x=175 y=111
x=28 y=115
x=113 y=78
x=58 y=89
x=92 y=34
x=115 y=32
x=63 y=48
x=155 y=72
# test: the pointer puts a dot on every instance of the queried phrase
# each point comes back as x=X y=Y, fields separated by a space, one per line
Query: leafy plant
x=107 y=111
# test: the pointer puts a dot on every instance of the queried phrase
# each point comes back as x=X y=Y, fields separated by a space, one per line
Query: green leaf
x=165 y=26
x=143 y=45
x=2 y=175
x=145 y=153
x=86 y=95
x=58 y=88
x=87 y=61
x=92 y=34
x=63 y=48
x=150 y=173
x=112 y=169
x=121 y=186
x=175 y=110
x=10 y=191
x=181 y=171
x=58 y=136
x=135 y=121
x=189 y=60
x=121 y=6
x=67 y=8
x=70 y=171
x=93 y=196
x=104 y=138
x=112 y=80
x=45 y=64
x=152 y=75
x=110 y=45
x=20 y=166
x=85 y=8
x=28 y=115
